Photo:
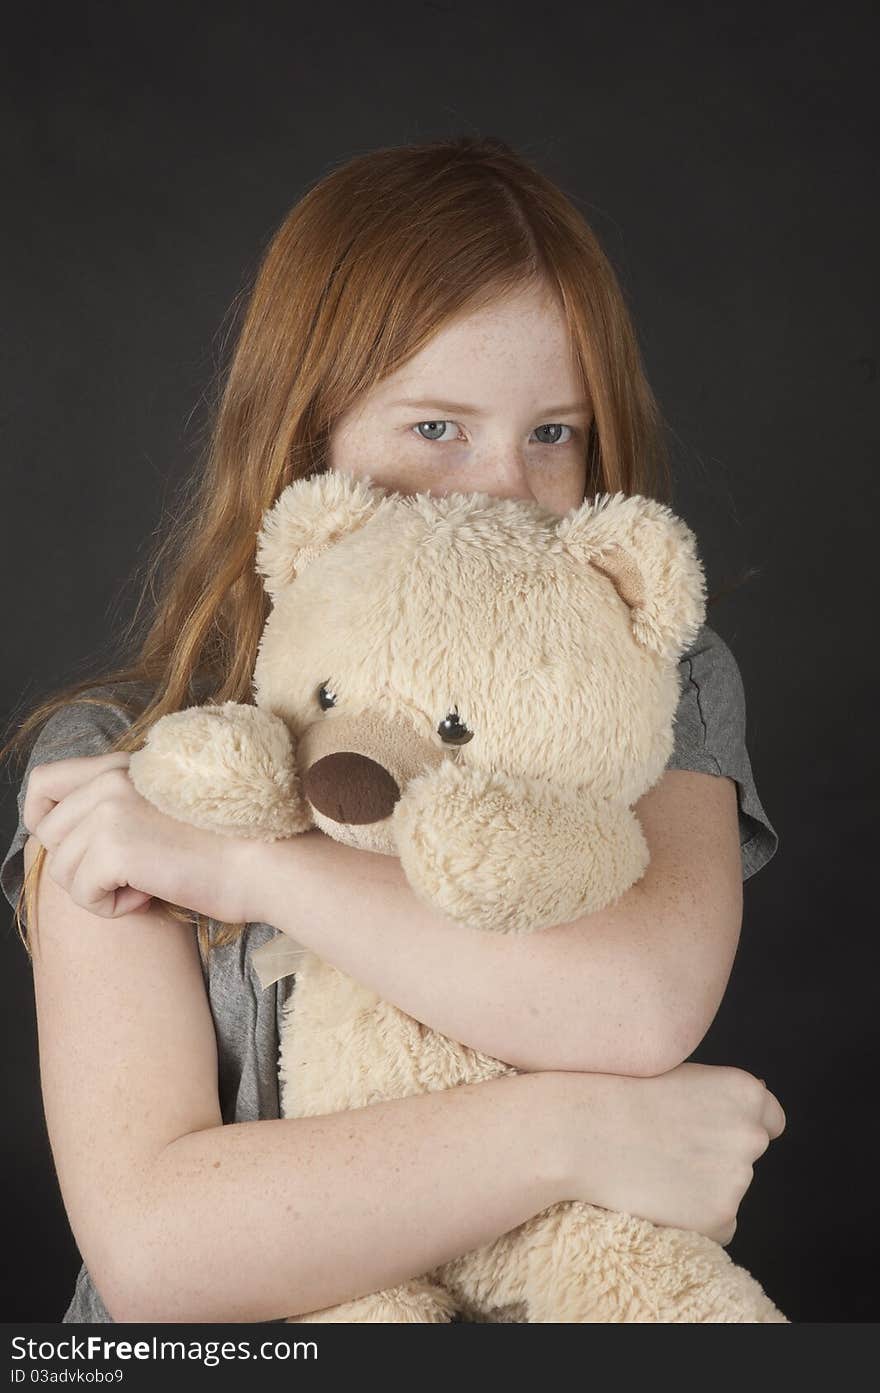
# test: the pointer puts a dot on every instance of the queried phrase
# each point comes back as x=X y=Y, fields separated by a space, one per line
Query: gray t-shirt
x=710 y=731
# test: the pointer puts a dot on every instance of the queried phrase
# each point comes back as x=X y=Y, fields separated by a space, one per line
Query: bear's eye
x=326 y=697
x=452 y=731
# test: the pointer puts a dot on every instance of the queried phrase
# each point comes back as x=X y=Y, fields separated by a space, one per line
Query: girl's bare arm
x=631 y=989
x=181 y=1218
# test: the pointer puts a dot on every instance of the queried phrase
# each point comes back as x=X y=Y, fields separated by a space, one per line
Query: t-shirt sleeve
x=75 y=729
x=710 y=736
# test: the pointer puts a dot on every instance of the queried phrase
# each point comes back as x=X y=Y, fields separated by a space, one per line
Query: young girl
x=441 y=318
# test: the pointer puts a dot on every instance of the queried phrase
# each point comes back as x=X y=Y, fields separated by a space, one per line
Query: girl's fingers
x=111 y=903
x=129 y=901
x=73 y=866
x=63 y=860
x=49 y=783
x=774 y=1117
x=64 y=814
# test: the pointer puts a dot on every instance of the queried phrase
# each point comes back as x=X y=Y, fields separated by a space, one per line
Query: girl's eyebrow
x=465 y=410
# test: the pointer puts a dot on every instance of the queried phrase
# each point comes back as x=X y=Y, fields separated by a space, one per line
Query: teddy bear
x=483 y=689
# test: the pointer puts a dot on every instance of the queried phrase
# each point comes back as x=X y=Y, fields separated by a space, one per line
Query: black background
x=723 y=156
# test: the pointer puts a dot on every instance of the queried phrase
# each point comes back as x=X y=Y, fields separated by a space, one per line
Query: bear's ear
x=309 y=516
x=650 y=556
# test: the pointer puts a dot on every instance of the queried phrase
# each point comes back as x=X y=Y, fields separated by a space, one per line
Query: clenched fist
x=113 y=851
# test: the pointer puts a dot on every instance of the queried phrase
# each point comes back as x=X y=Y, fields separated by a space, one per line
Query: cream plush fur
x=555 y=643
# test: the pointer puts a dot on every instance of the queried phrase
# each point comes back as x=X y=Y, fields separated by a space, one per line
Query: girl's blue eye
x=438 y=425
x=432 y=425
x=555 y=440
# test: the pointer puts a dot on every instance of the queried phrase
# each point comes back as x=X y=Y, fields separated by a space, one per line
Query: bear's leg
x=417 y=1302
x=577 y=1263
x=489 y=1284
x=587 y=1264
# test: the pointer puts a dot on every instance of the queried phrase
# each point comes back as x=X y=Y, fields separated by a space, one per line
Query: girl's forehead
x=518 y=347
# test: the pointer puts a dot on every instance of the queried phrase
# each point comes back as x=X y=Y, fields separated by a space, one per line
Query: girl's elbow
x=674 y=1041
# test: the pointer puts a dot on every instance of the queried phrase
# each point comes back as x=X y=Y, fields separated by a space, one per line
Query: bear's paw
x=228 y=768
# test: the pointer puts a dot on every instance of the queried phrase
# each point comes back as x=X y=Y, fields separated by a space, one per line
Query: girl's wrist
x=583 y=1116
x=254 y=865
x=547 y=1102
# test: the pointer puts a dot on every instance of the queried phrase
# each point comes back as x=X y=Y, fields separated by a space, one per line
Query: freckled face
x=494 y=403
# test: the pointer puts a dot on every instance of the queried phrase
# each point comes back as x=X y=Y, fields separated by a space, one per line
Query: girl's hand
x=677 y=1148
x=112 y=851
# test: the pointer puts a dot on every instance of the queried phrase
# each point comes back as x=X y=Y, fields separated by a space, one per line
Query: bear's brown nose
x=350 y=788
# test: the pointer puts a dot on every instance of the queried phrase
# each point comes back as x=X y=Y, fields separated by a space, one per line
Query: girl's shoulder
x=710 y=737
